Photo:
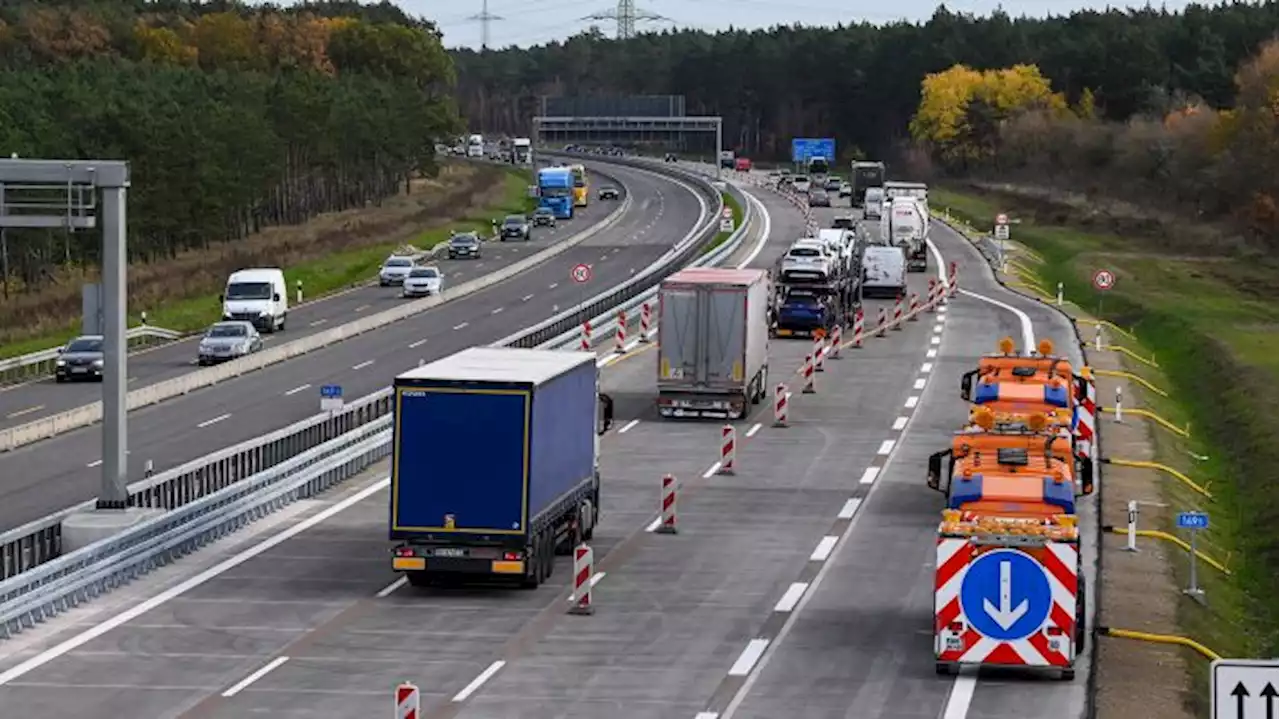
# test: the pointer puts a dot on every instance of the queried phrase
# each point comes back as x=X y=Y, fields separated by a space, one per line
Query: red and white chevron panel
x=1086 y=421
x=956 y=640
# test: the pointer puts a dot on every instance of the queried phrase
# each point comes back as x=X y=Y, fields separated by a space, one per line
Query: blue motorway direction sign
x=1006 y=595
x=1193 y=520
x=802 y=148
x=331 y=391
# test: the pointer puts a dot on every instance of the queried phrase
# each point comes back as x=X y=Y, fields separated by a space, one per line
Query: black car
x=515 y=227
x=844 y=222
x=464 y=244
x=609 y=193
x=80 y=359
x=544 y=217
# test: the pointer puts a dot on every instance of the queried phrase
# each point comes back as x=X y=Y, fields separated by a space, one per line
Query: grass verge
x=723 y=237
x=1211 y=323
x=322 y=272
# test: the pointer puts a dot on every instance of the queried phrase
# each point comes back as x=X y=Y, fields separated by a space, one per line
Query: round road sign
x=581 y=273
x=1104 y=279
x=727 y=213
x=1002 y=219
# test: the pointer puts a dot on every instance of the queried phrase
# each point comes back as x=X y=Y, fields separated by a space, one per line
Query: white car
x=423 y=281
x=394 y=270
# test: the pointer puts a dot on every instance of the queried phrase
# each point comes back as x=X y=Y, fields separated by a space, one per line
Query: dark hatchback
x=466 y=244
x=82 y=358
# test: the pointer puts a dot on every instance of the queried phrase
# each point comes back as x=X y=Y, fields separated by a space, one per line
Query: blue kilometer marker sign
x=1193 y=520
x=331 y=391
x=1005 y=595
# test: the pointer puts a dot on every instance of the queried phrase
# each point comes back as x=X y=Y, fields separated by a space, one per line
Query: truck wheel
x=1067 y=675
x=549 y=556
x=587 y=516
x=942 y=669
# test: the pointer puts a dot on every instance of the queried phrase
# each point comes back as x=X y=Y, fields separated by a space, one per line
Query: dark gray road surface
x=35 y=400
x=52 y=474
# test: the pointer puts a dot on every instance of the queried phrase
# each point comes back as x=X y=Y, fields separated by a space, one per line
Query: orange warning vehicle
x=1008 y=588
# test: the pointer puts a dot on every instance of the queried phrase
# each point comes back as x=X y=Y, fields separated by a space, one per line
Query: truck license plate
x=449 y=552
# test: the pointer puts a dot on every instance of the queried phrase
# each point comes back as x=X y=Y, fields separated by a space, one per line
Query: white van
x=256 y=295
x=873 y=202
x=884 y=271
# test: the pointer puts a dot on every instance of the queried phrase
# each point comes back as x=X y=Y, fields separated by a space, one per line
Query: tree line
x=861 y=82
x=233 y=117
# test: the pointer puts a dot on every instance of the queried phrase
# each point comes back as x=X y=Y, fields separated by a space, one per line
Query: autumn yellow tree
x=163 y=45
x=962 y=110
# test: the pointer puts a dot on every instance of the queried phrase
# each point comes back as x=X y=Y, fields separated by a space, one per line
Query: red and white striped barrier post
x=954 y=285
x=728 y=450
x=808 y=375
x=620 y=337
x=932 y=303
x=897 y=313
x=881 y=323
x=408 y=701
x=668 y=523
x=835 y=342
x=585 y=345
x=913 y=308
x=858 y=328
x=819 y=354
x=645 y=322
x=583 y=563
x=780 y=408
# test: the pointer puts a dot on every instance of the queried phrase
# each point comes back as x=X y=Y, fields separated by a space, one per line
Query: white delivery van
x=475 y=146
x=884 y=272
x=873 y=203
x=258 y=296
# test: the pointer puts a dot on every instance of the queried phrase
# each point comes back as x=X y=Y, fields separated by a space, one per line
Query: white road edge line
x=791 y=597
x=750 y=655
x=764 y=235
x=479 y=681
x=823 y=550
x=706 y=715
x=392 y=587
x=178 y=590
x=627 y=427
x=244 y=683
x=712 y=470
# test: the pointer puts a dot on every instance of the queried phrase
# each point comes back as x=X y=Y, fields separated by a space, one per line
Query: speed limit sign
x=1104 y=280
x=580 y=273
x=1002 y=219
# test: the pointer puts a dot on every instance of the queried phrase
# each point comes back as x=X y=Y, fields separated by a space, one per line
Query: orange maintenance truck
x=1008 y=588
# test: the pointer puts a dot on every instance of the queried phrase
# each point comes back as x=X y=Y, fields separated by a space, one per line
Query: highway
x=35 y=400
x=52 y=474
x=800 y=587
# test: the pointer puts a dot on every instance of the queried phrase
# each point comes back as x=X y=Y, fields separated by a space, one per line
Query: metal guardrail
x=207 y=498
x=40 y=364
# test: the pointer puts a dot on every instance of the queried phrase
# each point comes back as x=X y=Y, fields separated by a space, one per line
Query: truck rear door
x=679 y=325
x=726 y=318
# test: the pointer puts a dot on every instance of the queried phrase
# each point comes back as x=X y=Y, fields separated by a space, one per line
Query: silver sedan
x=228 y=340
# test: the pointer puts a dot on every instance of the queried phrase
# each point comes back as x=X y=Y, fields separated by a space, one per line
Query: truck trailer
x=495 y=463
x=713 y=342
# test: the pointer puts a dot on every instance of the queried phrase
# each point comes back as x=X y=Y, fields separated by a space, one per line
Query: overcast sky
x=533 y=22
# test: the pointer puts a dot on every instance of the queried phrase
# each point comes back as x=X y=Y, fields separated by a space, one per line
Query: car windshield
x=463 y=240
x=514 y=220
x=227 y=331
x=249 y=291
x=544 y=211
x=428 y=272
x=399 y=262
x=609 y=189
x=85 y=344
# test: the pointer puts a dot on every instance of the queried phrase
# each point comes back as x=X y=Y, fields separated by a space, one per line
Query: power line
x=626 y=14
x=484 y=18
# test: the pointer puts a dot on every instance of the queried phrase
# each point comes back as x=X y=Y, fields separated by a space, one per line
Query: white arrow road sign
x=1005 y=615
x=1245 y=689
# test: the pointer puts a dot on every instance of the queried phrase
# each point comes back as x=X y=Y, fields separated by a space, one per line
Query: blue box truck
x=494 y=466
x=555 y=191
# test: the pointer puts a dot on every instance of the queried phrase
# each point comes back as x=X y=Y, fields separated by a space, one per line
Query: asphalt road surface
x=799 y=587
x=56 y=473
x=35 y=400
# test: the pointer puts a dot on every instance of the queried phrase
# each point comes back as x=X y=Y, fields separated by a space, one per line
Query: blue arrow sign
x=1006 y=595
x=802 y=148
x=1193 y=520
x=331 y=391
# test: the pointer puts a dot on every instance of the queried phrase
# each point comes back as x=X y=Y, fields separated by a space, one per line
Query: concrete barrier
x=72 y=419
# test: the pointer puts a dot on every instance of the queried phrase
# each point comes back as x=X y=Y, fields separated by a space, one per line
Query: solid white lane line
x=765 y=232
x=754 y=428
x=850 y=508
x=899 y=423
x=362 y=365
x=479 y=681
x=749 y=657
x=886 y=447
x=392 y=587
x=791 y=597
x=244 y=683
x=926 y=368
x=215 y=420
x=297 y=389
x=627 y=427
x=458 y=327
x=960 y=697
x=869 y=475
x=706 y=715
x=714 y=468
x=823 y=550
x=415 y=345
x=919 y=384
x=137 y=610
x=28 y=410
